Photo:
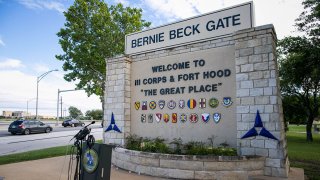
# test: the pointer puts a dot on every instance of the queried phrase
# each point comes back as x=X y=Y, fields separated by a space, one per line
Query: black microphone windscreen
x=93 y=122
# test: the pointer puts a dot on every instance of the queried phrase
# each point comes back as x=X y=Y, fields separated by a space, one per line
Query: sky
x=28 y=44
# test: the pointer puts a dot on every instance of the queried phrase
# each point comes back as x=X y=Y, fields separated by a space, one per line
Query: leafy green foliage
x=177 y=142
x=94 y=31
x=300 y=75
x=293 y=110
x=309 y=19
x=158 y=145
x=300 y=64
x=96 y=114
x=133 y=142
x=74 y=112
x=196 y=148
x=200 y=148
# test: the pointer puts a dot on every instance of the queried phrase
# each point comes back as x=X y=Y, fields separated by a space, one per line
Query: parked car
x=72 y=123
x=28 y=126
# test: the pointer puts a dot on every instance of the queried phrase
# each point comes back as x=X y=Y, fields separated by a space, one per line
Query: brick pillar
x=117 y=99
x=257 y=84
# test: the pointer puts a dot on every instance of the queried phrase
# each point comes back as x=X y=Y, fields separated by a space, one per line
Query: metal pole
x=37 y=98
x=38 y=80
x=58 y=109
x=27 y=108
x=59 y=91
x=61 y=107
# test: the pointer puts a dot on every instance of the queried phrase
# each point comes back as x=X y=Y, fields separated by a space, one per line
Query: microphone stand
x=78 y=157
x=80 y=136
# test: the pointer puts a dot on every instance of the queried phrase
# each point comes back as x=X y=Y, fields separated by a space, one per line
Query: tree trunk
x=309 y=129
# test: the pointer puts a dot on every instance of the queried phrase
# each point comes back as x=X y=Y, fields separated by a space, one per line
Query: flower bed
x=188 y=166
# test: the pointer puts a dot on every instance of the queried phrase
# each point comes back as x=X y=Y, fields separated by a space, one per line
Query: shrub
x=177 y=149
x=158 y=145
x=196 y=148
x=133 y=142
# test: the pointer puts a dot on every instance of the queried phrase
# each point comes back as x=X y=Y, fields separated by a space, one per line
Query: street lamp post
x=38 y=80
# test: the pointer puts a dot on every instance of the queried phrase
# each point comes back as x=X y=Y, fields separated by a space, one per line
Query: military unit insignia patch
x=171 y=104
x=213 y=102
x=174 y=117
x=192 y=103
x=150 y=118
x=193 y=118
x=183 y=118
x=161 y=103
x=166 y=118
x=202 y=103
x=137 y=105
x=205 y=117
x=144 y=105
x=158 y=117
x=181 y=104
x=216 y=117
x=152 y=105
x=227 y=101
x=143 y=118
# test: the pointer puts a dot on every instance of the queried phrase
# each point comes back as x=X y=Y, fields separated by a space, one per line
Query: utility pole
x=28 y=106
x=64 y=112
x=60 y=91
x=61 y=107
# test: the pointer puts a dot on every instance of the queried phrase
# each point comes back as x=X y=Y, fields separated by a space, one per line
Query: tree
x=96 y=114
x=300 y=63
x=309 y=20
x=74 y=112
x=294 y=112
x=93 y=32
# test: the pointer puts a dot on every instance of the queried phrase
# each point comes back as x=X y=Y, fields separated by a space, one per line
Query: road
x=10 y=144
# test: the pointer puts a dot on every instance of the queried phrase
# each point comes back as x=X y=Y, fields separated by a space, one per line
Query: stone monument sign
x=210 y=75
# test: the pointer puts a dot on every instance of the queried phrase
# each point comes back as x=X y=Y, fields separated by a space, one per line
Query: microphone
x=83 y=132
x=90 y=124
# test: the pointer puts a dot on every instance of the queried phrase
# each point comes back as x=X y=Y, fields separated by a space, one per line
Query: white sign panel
x=208 y=26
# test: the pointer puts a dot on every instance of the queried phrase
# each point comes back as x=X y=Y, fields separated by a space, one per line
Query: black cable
x=90 y=141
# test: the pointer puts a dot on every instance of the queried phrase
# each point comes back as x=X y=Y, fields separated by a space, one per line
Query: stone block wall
x=117 y=99
x=188 y=166
x=258 y=89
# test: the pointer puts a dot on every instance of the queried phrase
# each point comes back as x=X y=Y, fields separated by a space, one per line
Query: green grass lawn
x=304 y=154
x=34 y=155
x=37 y=154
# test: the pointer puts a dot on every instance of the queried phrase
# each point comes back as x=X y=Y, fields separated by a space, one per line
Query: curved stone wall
x=188 y=166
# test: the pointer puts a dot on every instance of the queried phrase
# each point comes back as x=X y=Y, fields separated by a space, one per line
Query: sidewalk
x=55 y=169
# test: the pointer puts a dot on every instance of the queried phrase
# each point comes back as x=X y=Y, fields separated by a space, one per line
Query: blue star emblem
x=113 y=125
x=257 y=125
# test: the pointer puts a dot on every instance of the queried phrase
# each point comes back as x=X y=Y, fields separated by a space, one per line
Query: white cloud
x=17 y=88
x=172 y=10
x=1 y=42
x=39 y=68
x=280 y=13
x=10 y=63
x=42 y=4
